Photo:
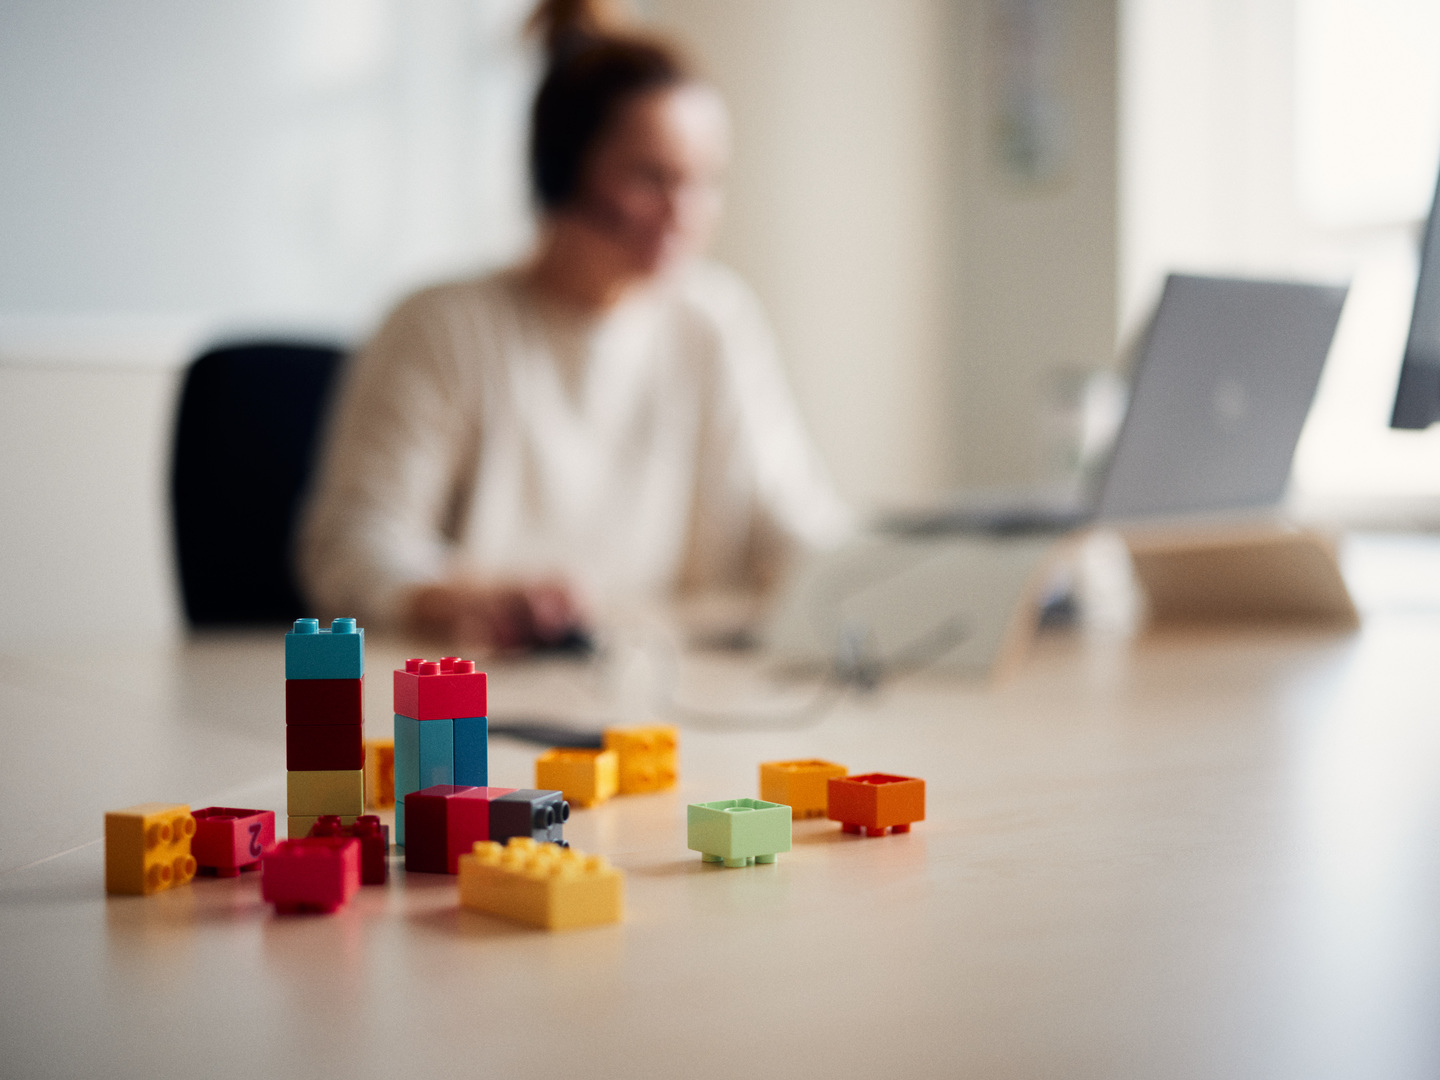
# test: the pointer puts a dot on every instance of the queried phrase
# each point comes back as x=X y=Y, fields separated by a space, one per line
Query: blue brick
x=335 y=653
x=437 y=752
x=472 y=751
x=407 y=768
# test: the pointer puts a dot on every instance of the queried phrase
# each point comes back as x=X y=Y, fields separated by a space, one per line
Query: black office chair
x=245 y=440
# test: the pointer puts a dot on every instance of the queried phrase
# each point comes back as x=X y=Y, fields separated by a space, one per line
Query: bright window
x=1367 y=108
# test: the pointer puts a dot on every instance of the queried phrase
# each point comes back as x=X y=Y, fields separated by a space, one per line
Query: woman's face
x=652 y=185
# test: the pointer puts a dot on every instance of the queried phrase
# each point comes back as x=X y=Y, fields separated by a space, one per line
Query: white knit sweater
x=485 y=431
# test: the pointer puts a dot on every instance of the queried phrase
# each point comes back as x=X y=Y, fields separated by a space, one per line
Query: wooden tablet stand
x=1255 y=572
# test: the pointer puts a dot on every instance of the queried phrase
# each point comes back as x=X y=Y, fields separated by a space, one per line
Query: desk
x=1209 y=855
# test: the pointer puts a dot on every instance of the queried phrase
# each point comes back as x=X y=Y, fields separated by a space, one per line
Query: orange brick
x=379 y=774
x=875 y=802
x=585 y=777
x=800 y=785
x=648 y=757
x=147 y=848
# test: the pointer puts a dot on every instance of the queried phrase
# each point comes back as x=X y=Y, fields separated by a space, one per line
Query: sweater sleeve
x=384 y=492
x=792 y=504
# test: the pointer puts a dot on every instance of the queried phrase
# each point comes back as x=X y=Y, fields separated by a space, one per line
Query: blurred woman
x=607 y=420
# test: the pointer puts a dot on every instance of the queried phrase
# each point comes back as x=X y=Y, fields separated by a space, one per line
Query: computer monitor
x=1417 y=401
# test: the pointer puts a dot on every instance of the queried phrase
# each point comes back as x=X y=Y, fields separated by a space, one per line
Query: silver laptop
x=1224 y=381
x=1225 y=378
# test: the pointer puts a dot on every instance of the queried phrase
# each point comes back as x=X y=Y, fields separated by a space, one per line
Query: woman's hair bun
x=565 y=25
x=595 y=63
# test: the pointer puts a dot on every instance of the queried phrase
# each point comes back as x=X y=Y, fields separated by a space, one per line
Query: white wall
x=248 y=161
x=84 y=536
x=1035 y=103
x=837 y=215
x=930 y=299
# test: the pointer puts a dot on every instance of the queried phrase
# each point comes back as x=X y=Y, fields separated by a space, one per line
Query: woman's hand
x=500 y=617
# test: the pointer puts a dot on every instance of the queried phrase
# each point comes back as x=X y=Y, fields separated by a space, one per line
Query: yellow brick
x=379 y=774
x=543 y=885
x=316 y=792
x=804 y=786
x=147 y=848
x=648 y=757
x=300 y=825
x=584 y=777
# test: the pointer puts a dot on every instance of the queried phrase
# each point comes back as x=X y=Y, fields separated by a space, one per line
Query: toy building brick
x=800 y=785
x=440 y=690
x=317 y=873
x=326 y=791
x=875 y=802
x=324 y=701
x=336 y=653
x=540 y=815
x=324 y=747
x=472 y=750
x=648 y=757
x=374 y=844
x=738 y=832
x=147 y=848
x=427 y=828
x=298 y=826
x=436 y=741
x=541 y=885
x=585 y=777
x=379 y=774
x=324 y=721
x=228 y=840
x=444 y=822
x=442 y=735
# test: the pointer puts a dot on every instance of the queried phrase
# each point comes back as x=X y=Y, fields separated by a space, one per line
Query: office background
x=956 y=211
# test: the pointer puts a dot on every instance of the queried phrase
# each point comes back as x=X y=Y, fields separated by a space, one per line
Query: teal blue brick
x=334 y=653
x=407 y=768
x=437 y=753
x=472 y=751
x=738 y=832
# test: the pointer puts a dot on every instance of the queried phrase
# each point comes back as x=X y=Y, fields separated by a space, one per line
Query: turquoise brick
x=738 y=832
x=437 y=752
x=472 y=751
x=334 y=653
x=407 y=768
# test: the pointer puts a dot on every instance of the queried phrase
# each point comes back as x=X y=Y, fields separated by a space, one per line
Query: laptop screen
x=1225 y=381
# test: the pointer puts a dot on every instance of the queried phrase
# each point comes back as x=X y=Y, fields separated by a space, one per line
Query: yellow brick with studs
x=147 y=848
x=584 y=777
x=541 y=885
x=648 y=757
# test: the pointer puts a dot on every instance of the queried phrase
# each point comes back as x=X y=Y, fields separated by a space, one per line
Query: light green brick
x=738 y=832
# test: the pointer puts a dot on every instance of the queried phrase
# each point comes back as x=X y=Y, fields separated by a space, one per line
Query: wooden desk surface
x=1215 y=855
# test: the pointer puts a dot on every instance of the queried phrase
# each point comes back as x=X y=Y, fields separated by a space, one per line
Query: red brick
x=318 y=873
x=228 y=840
x=374 y=844
x=444 y=822
x=324 y=747
x=447 y=689
x=324 y=701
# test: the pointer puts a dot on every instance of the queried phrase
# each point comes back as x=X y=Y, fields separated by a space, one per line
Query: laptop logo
x=1229 y=403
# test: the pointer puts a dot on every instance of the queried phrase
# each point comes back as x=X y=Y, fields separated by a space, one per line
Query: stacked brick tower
x=324 y=747
x=442 y=735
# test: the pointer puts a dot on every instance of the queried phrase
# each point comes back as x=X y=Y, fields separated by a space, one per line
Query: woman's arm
x=373 y=528
x=795 y=504
x=376 y=540
x=495 y=617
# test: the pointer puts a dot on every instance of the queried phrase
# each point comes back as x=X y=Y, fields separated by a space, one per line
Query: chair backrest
x=245 y=441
